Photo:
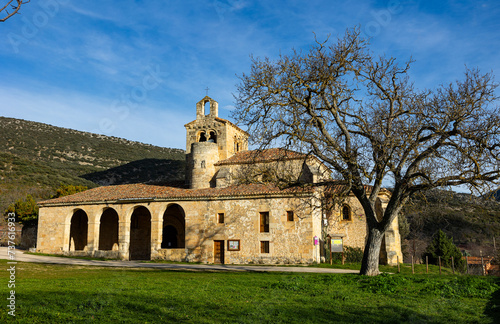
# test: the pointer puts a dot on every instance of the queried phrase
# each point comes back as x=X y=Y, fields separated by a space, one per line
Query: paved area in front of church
x=21 y=256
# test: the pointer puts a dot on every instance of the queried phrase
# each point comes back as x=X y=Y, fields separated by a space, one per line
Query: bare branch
x=14 y=8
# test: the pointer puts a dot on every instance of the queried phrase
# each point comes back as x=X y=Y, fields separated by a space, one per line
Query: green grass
x=77 y=294
x=403 y=269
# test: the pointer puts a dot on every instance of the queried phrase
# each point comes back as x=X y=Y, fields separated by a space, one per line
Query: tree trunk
x=371 y=255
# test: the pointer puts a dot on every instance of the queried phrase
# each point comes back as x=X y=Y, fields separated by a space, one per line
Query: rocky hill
x=473 y=222
x=36 y=158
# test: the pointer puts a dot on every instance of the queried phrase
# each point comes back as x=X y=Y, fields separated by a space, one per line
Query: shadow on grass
x=106 y=307
x=493 y=307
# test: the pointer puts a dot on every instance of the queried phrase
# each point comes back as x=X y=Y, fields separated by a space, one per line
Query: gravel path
x=21 y=256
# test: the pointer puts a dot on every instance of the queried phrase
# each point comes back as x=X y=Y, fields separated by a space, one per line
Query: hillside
x=472 y=221
x=35 y=158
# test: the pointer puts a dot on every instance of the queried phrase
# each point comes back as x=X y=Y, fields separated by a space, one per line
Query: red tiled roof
x=268 y=155
x=151 y=192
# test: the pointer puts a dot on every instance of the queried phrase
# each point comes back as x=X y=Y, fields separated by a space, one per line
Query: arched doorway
x=140 y=234
x=78 y=231
x=108 y=230
x=174 y=228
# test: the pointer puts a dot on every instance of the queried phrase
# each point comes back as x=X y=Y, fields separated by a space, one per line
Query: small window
x=220 y=218
x=290 y=216
x=346 y=213
x=264 y=246
x=264 y=222
x=203 y=137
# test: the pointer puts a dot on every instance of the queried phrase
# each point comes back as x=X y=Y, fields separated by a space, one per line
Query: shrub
x=351 y=255
x=26 y=210
x=442 y=246
x=66 y=190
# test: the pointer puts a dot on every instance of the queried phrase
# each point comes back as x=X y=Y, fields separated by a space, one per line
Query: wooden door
x=219 y=252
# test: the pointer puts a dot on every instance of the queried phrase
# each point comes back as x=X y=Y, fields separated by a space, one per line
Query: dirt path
x=21 y=256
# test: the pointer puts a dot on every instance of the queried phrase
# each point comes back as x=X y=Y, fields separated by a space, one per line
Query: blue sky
x=135 y=69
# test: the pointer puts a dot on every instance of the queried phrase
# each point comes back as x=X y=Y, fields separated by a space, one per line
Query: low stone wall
x=177 y=255
x=106 y=254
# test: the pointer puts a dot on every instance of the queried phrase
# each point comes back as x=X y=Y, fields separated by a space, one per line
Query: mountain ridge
x=36 y=158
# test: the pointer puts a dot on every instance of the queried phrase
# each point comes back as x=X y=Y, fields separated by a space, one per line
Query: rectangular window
x=264 y=222
x=289 y=216
x=264 y=246
x=346 y=213
x=220 y=218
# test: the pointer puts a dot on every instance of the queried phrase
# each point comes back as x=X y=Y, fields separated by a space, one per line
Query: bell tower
x=210 y=139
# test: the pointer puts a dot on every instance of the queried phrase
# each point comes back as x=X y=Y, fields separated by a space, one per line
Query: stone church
x=231 y=211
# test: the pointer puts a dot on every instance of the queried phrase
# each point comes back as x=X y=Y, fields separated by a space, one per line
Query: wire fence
x=479 y=266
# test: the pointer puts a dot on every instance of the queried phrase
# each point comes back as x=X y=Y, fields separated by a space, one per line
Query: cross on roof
x=207 y=90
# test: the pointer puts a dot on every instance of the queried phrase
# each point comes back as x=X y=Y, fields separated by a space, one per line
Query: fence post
x=412 y=266
x=452 y=265
x=399 y=270
x=427 y=264
x=466 y=264
x=439 y=258
x=482 y=266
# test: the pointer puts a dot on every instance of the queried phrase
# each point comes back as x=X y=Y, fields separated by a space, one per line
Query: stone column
x=156 y=230
x=124 y=238
x=93 y=236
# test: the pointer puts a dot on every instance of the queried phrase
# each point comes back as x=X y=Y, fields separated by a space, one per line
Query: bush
x=442 y=246
x=26 y=211
x=66 y=190
x=351 y=255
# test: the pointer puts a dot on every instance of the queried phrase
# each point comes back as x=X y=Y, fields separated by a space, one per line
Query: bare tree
x=11 y=8
x=360 y=114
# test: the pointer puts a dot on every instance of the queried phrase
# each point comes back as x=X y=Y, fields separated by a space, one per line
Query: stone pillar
x=66 y=233
x=124 y=238
x=156 y=232
x=214 y=108
x=93 y=235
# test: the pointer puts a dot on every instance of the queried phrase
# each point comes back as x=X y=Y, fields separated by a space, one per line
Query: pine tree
x=26 y=211
x=442 y=246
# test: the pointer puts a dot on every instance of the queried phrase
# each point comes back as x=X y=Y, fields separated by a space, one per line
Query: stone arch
x=202 y=136
x=212 y=136
x=174 y=227
x=207 y=107
x=78 y=231
x=108 y=230
x=140 y=234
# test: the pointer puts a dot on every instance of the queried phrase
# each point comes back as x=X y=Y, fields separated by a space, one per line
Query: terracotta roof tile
x=268 y=155
x=151 y=192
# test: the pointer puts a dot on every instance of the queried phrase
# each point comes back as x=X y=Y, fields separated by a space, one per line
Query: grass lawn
x=75 y=294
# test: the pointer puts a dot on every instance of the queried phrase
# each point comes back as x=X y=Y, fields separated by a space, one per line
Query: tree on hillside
x=66 y=190
x=442 y=246
x=10 y=8
x=360 y=114
x=26 y=210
